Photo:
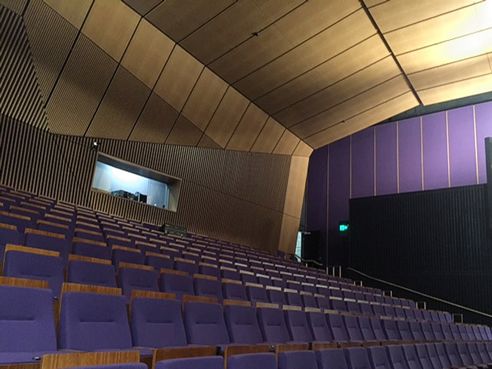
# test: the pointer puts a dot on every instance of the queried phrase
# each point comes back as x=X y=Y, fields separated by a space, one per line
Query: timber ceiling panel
x=227 y=117
x=51 y=42
x=155 y=122
x=221 y=69
x=80 y=88
x=16 y=6
x=248 y=129
x=147 y=53
x=119 y=110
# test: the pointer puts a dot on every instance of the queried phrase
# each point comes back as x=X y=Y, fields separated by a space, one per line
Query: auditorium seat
x=391 y=330
x=91 y=273
x=297 y=359
x=427 y=331
x=453 y=355
x=248 y=277
x=465 y=356
x=353 y=329
x=204 y=324
x=365 y=309
x=37 y=264
x=208 y=287
x=157 y=323
x=94 y=322
x=276 y=296
x=130 y=278
x=308 y=301
x=46 y=241
x=397 y=358
x=411 y=357
x=433 y=356
x=207 y=362
x=21 y=222
x=9 y=235
x=403 y=328
x=483 y=353
x=378 y=357
x=234 y=291
x=184 y=265
x=158 y=261
x=209 y=269
x=178 y=284
x=252 y=361
x=298 y=326
x=229 y=273
x=27 y=328
x=293 y=298
x=357 y=358
x=242 y=325
x=272 y=325
x=122 y=254
x=88 y=248
x=338 y=329
x=257 y=294
x=442 y=355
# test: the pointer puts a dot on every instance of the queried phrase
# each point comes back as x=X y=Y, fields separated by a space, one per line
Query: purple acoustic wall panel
x=483 y=117
x=339 y=177
x=462 y=158
x=316 y=189
x=434 y=131
x=386 y=159
x=362 y=149
x=410 y=155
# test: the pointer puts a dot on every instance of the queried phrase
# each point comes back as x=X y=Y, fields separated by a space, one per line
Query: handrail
x=421 y=294
x=307 y=261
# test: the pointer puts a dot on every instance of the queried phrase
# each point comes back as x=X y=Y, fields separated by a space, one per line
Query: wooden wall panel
x=248 y=129
x=73 y=12
x=268 y=137
x=237 y=196
x=21 y=95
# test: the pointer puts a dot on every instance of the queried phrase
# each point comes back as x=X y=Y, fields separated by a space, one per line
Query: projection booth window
x=123 y=179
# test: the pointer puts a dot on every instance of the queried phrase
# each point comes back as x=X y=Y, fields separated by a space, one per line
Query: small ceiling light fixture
x=256 y=34
x=95 y=146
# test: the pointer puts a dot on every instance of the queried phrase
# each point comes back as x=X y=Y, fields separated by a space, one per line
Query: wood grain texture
x=58 y=361
x=21 y=282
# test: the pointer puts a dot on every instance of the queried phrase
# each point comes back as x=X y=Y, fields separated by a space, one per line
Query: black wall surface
x=435 y=242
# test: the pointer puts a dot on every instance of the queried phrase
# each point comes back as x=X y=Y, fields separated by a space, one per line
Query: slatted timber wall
x=20 y=95
x=435 y=242
x=232 y=195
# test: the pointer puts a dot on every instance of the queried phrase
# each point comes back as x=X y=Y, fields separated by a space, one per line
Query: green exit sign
x=343 y=227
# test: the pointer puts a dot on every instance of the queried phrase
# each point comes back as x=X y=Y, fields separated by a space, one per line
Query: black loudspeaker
x=311 y=246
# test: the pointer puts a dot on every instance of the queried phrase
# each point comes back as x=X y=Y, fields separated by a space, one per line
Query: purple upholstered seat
x=297 y=325
x=205 y=362
x=242 y=325
x=157 y=323
x=357 y=357
x=208 y=288
x=396 y=357
x=256 y=294
x=204 y=324
x=130 y=279
x=27 y=328
x=297 y=359
x=178 y=284
x=249 y=361
x=233 y=291
x=96 y=274
x=272 y=325
x=378 y=356
x=331 y=359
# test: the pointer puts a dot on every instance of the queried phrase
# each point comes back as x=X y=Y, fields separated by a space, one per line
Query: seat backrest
x=256 y=294
x=357 y=357
x=298 y=326
x=352 y=327
x=233 y=291
x=47 y=243
x=186 y=266
x=453 y=354
x=331 y=359
x=391 y=329
x=207 y=288
x=482 y=351
x=151 y=327
x=130 y=279
x=159 y=262
x=338 y=305
x=297 y=359
x=127 y=256
x=96 y=274
x=442 y=355
x=230 y=274
x=26 y=320
x=204 y=324
x=309 y=301
x=178 y=284
x=242 y=325
x=404 y=329
x=337 y=327
x=93 y=251
x=427 y=331
x=29 y=265
x=366 y=329
x=378 y=329
x=208 y=362
x=465 y=356
x=396 y=357
x=276 y=297
x=293 y=298
x=442 y=331
x=378 y=356
x=92 y=321
x=248 y=361
x=209 y=270
x=432 y=355
x=423 y=356
x=272 y=325
x=319 y=327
